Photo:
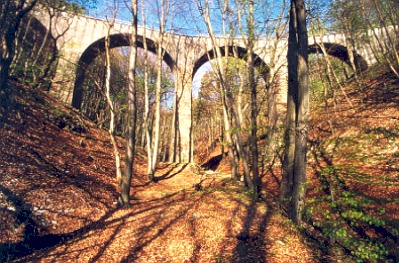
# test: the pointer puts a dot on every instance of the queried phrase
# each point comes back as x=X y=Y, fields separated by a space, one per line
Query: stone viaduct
x=80 y=39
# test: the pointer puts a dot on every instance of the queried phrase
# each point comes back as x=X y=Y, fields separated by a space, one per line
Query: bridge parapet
x=80 y=38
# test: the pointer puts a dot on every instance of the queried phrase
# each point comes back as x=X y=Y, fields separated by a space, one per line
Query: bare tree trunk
x=254 y=107
x=287 y=182
x=299 y=189
x=173 y=131
x=226 y=93
x=229 y=139
x=148 y=133
x=124 y=198
x=294 y=177
x=111 y=105
x=19 y=47
x=158 y=86
x=272 y=90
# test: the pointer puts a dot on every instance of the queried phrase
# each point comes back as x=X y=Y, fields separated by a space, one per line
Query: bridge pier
x=181 y=147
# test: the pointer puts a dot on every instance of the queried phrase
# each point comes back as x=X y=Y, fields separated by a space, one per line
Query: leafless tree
x=111 y=105
x=293 y=187
x=124 y=198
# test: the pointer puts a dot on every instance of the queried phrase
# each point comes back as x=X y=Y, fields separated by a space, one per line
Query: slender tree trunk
x=229 y=139
x=289 y=136
x=254 y=107
x=272 y=90
x=124 y=199
x=299 y=189
x=19 y=47
x=226 y=92
x=173 y=131
x=164 y=9
x=148 y=133
x=111 y=105
x=240 y=95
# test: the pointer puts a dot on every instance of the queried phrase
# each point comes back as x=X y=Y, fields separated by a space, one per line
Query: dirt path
x=169 y=221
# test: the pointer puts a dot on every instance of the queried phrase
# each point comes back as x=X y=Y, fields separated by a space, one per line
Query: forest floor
x=58 y=192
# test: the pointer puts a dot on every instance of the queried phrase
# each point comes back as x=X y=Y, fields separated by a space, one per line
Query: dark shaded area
x=37 y=245
x=385 y=90
x=36 y=54
x=340 y=52
x=213 y=163
x=251 y=246
x=31 y=240
x=98 y=47
x=25 y=150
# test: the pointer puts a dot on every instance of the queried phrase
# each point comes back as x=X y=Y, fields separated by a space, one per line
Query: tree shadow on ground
x=251 y=246
x=340 y=206
x=250 y=241
x=166 y=218
x=35 y=247
x=169 y=173
x=34 y=237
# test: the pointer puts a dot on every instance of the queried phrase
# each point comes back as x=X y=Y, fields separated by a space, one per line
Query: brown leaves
x=57 y=203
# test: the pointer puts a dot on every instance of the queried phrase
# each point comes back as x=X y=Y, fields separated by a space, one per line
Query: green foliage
x=350 y=219
x=323 y=85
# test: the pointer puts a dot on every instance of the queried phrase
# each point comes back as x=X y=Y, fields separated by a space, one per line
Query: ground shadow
x=31 y=242
x=36 y=247
x=251 y=246
x=169 y=173
x=336 y=202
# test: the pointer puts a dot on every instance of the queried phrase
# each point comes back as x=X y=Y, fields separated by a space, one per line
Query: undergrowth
x=350 y=221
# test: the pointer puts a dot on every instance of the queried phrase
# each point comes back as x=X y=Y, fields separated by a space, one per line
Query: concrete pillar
x=63 y=81
x=183 y=119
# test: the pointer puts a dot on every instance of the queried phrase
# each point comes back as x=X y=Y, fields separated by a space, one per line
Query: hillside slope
x=57 y=192
x=57 y=201
x=353 y=200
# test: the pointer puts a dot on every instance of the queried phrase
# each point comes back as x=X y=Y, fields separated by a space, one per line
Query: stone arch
x=340 y=52
x=242 y=53
x=98 y=47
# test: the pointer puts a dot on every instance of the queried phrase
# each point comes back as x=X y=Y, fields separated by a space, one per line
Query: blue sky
x=185 y=17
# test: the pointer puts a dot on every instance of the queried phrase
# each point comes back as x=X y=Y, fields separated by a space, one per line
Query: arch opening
x=233 y=51
x=92 y=88
x=340 y=52
x=208 y=116
x=97 y=48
